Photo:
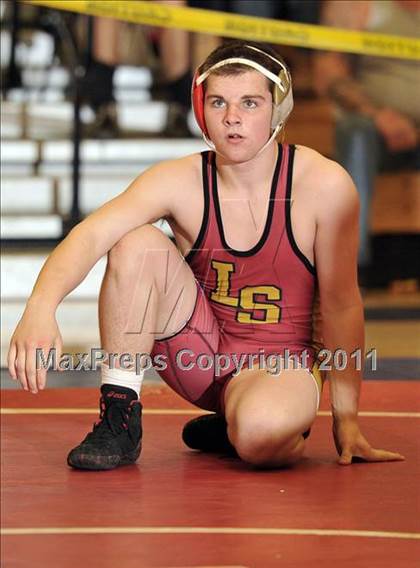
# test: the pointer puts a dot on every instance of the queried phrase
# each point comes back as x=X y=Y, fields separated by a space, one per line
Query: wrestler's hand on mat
x=34 y=330
x=399 y=132
x=353 y=447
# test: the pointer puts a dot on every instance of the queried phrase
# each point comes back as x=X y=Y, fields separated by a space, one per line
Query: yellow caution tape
x=243 y=27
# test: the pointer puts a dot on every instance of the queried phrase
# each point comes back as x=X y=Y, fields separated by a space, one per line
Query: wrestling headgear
x=282 y=94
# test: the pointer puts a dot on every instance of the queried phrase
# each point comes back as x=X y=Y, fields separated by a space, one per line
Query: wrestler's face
x=237 y=111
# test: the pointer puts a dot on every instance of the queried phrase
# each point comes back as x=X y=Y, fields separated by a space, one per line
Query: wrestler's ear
x=197 y=99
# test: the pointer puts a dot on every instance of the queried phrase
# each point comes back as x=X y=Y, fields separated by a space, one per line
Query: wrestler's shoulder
x=310 y=162
x=326 y=186
x=168 y=183
x=322 y=176
x=180 y=172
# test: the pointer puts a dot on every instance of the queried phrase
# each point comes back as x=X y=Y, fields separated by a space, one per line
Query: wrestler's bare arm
x=151 y=196
x=336 y=245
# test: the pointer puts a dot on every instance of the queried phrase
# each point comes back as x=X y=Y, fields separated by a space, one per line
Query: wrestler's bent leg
x=148 y=292
x=267 y=414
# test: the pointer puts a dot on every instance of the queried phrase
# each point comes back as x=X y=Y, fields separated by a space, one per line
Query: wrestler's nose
x=232 y=116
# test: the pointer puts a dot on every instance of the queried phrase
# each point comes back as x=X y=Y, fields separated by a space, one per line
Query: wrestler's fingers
x=41 y=379
x=11 y=359
x=58 y=346
x=347 y=457
x=382 y=455
x=42 y=358
x=31 y=369
x=20 y=365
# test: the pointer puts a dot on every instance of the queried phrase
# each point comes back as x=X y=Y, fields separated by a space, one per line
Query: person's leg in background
x=97 y=85
x=261 y=9
x=362 y=151
x=174 y=81
x=300 y=58
x=174 y=47
x=358 y=148
x=401 y=250
x=304 y=11
x=201 y=46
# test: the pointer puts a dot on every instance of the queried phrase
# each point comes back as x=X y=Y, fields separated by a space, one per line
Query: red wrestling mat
x=391 y=396
x=178 y=508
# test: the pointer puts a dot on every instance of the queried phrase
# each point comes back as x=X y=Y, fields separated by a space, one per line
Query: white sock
x=122 y=378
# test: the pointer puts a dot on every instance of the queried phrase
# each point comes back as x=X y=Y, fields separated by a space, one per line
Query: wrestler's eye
x=218 y=103
x=250 y=103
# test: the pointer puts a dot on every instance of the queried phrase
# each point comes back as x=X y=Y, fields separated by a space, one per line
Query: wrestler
x=242 y=279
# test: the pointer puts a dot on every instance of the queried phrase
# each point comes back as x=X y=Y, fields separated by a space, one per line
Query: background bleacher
x=36 y=189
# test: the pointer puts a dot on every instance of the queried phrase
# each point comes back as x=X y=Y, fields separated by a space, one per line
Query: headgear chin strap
x=282 y=95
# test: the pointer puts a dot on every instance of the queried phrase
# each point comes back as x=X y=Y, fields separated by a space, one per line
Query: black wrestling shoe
x=208 y=433
x=116 y=437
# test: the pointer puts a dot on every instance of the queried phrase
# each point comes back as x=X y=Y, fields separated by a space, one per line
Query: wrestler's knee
x=266 y=442
x=131 y=249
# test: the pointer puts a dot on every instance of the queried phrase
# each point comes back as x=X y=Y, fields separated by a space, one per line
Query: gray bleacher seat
x=48 y=119
x=18 y=157
x=25 y=195
x=37 y=52
x=18 y=152
x=94 y=191
x=56 y=77
x=19 y=272
x=11 y=119
x=123 y=151
x=31 y=227
x=128 y=77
